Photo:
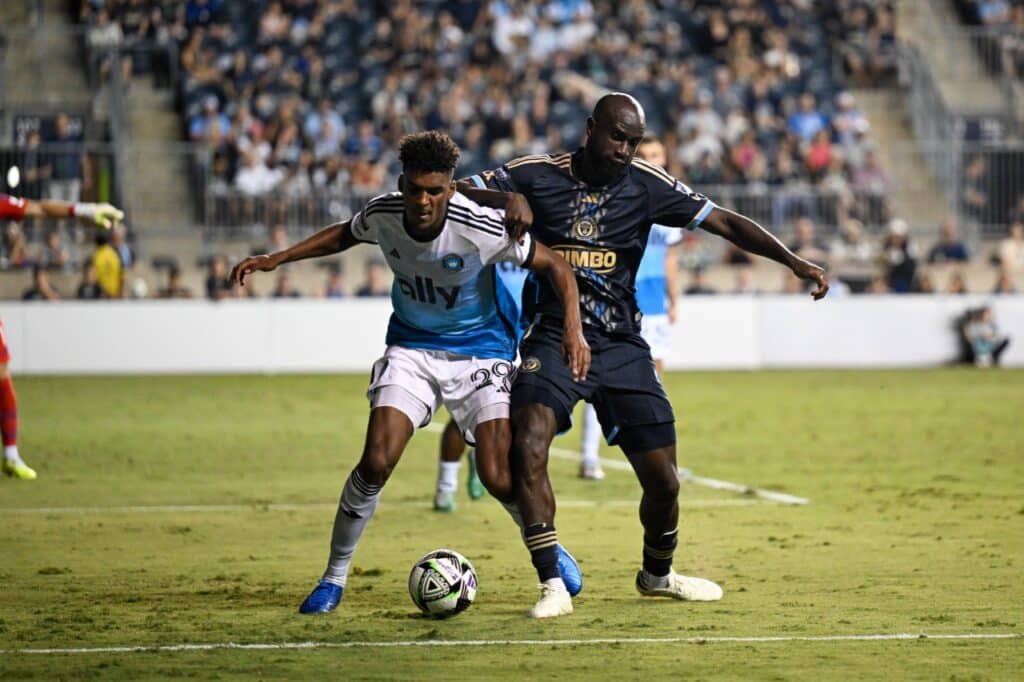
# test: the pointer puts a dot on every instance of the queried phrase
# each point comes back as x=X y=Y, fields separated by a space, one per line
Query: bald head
x=614 y=130
x=618 y=107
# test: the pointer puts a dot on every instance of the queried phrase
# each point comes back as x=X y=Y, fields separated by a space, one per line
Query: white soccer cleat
x=591 y=472
x=680 y=587
x=552 y=603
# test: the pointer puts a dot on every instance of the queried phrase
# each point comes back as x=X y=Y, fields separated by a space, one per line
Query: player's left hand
x=101 y=215
x=576 y=352
x=807 y=270
x=518 y=215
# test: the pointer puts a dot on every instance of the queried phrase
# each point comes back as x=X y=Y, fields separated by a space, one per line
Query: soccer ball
x=442 y=583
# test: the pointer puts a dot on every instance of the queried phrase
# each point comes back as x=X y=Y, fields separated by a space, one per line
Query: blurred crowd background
x=285 y=116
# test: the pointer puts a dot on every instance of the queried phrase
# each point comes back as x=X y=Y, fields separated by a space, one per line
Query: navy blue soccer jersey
x=600 y=231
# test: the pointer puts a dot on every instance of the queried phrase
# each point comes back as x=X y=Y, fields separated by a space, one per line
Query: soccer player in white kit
x=451 y=337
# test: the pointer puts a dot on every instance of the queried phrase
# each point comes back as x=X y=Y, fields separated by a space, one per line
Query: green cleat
x=444 y=502
x=474 y=486
x=19 y=470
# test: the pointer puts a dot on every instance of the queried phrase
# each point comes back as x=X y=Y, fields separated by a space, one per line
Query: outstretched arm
x=574 y=346
x=330 y=240
x=100 y=215
x=749 y=236
x=518 y=214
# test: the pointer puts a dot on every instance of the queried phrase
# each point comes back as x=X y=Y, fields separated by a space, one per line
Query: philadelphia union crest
x=584 y=228
x=530 y=364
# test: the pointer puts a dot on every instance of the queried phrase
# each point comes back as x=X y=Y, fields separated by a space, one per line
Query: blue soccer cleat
x=570 y=572
x=323 y=599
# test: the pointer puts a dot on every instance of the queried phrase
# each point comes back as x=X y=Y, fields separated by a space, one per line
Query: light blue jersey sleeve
x=650 y=276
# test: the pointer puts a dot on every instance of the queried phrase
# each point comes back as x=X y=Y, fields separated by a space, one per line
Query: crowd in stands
x=297 y=104
x=859 y=263
x=1005 y=21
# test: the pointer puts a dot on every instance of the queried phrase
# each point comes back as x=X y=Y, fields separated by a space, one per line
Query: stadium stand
x=298 y=104
x=289 y=112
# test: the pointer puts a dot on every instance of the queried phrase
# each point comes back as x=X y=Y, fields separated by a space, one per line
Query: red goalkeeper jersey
x=11 y=208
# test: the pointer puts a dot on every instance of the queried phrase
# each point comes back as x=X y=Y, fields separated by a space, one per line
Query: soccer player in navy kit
x=595 y=207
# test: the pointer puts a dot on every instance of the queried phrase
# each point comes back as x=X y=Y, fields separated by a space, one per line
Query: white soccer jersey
x=446 y=295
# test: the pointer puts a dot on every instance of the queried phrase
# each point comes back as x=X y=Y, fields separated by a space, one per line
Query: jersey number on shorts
x=484 y=377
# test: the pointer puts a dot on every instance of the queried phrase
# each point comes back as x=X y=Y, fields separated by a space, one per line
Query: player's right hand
x=576 y=351
x=518 y=215
x=262 y=262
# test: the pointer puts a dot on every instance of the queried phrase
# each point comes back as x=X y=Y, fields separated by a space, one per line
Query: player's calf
x=387 y=434
x=493 y=439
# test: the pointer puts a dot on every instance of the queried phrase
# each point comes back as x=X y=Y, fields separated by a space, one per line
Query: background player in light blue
x=657 y=290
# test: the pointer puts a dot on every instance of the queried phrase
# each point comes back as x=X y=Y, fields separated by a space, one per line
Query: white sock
x=11 y=454
x=448 y=476
x=556 y=584
x=591 y=437
x=355 y=509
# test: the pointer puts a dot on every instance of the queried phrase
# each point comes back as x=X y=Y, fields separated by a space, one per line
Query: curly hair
x=428 y=152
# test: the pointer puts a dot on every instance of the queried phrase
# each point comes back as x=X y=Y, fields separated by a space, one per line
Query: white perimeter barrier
x=713 y=332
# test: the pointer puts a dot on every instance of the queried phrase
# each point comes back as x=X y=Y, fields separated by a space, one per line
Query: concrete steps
x=158 y=166
x=916 y=197
x=44 y=65
x=935 y=29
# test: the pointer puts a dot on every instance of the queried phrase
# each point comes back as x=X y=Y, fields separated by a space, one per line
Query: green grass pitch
x=916 y=524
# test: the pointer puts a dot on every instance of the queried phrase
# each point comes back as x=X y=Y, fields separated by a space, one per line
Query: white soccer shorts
x=657 y=332
x=417 y=381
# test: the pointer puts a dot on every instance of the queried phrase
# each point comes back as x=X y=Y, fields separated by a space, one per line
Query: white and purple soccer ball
x=442 y=583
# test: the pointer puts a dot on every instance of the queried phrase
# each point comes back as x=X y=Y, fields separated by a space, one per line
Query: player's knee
x=670 y=487
x=375 y=467
x=496 y=477
x=379 y=459
x=4 y=371
x=529 y=451
x=532 y=432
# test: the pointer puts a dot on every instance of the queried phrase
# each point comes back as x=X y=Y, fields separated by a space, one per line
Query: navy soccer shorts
x=622 y=385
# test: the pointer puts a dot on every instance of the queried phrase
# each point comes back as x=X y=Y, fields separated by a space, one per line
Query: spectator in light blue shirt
x=806 y=122
x=325 y=111
x=201 y=126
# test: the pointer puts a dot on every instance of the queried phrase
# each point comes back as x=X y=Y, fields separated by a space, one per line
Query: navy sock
x=658 y=552
x=542 y=541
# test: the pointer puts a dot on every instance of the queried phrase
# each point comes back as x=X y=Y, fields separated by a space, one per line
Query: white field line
x=685 y=476
x=517 y=642
x=316 y=506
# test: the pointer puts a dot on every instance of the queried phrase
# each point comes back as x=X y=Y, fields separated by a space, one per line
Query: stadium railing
x=32 y=171
x=208 y=202
x=46 y=70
